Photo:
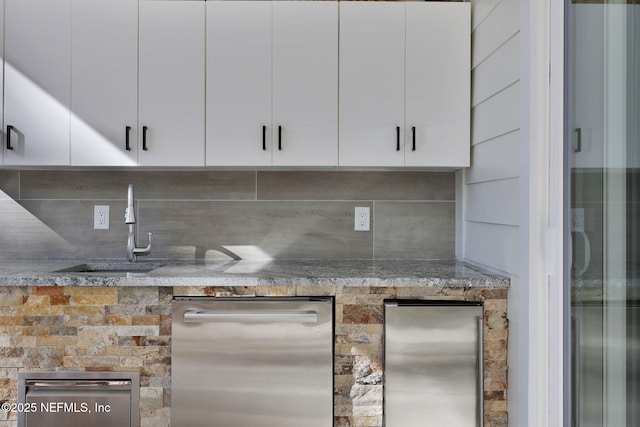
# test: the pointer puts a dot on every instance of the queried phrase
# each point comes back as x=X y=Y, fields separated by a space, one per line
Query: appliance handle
x=250 y=316
x=480 y=392
x=77 y=383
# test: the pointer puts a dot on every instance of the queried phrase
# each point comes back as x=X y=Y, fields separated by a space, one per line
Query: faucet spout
x=130 y=218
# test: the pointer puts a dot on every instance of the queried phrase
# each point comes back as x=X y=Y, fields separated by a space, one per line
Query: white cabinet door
x=437 y=100
x=272 y=92
x=104 y=85
x=305 y=83
x=372 y=46
x=171 y=83
x=37 y=81
x=587 y=86
x=239 y=83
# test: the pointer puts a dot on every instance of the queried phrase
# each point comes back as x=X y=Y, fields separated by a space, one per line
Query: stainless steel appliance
x=433 y=364
x=78 y=399
x=260 y=362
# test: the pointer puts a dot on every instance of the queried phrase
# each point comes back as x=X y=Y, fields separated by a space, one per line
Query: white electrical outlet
x=362 y=220
x=577 y=219
x=101 y=217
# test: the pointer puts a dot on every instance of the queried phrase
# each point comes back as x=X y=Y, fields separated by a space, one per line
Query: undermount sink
x=112 y=267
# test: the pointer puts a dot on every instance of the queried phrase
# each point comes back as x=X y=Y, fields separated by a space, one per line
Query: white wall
x=493 y=209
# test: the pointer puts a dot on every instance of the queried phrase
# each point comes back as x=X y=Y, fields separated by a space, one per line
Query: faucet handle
x=144 y=251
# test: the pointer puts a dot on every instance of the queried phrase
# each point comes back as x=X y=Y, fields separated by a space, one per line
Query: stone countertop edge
x=256 y=273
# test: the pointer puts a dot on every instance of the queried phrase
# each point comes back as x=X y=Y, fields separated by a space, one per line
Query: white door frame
x=544 y=73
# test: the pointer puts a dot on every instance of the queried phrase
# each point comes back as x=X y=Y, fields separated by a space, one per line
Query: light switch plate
x=101 y=217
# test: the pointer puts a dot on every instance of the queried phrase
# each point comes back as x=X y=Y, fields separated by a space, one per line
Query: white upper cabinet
x=404 y=77
x=171 y=90
x=104 y=82
x=288 y=83
x=372 y=39
x=437 y=100
x=272 y=83
x=37 y=82
x=239 y=83
x=305 y=83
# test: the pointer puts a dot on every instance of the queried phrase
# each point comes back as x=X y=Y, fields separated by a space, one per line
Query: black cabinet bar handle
x=413 y=132
x=397 y=138
x=144 y=138
x=264 y=137
x=578 y=146
x=127 y=145
x=279 y=137
x=9 y=130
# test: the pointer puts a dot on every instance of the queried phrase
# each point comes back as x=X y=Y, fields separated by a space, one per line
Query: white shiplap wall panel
x=492 y=245
x=495 y=159
x=494 y=213
x=492 y=184
x=480 y=9
x=496 y=116
x=502 y=24
x=499 y=71
x=495 y=202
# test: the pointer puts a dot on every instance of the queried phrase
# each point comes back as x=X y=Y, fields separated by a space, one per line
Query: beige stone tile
x=316 y=291
x=151 y=397
x=145 y=320
x=90 y=361
x=275 y=291
x=12 y=296
x=496 y=304
x=94 y=300
x=371 y=299
x=84 y=315
x=56 y=340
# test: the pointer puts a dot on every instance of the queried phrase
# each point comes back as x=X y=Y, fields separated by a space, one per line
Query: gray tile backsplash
x=197 y=185
x=231 y=214
x=355 y=186
x=10 y=183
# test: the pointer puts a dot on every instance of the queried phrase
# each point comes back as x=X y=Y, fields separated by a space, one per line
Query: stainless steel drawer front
x=433 y=365
x=79 y=399
x=252 y=362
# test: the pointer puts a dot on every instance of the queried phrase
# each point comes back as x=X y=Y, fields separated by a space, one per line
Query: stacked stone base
x=129 y=329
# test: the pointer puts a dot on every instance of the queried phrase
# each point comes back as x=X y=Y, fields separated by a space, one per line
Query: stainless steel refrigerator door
x=432 y=365
x=252 y=362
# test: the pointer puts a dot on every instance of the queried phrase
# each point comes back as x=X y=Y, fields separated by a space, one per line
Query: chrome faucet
x=130 y=218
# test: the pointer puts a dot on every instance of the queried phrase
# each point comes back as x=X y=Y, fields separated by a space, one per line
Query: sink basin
x=112 y=267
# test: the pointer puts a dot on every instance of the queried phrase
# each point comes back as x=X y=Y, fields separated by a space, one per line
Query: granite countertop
x=256 y=273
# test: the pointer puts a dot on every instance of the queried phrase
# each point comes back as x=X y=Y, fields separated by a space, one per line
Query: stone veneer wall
x=129 y=329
